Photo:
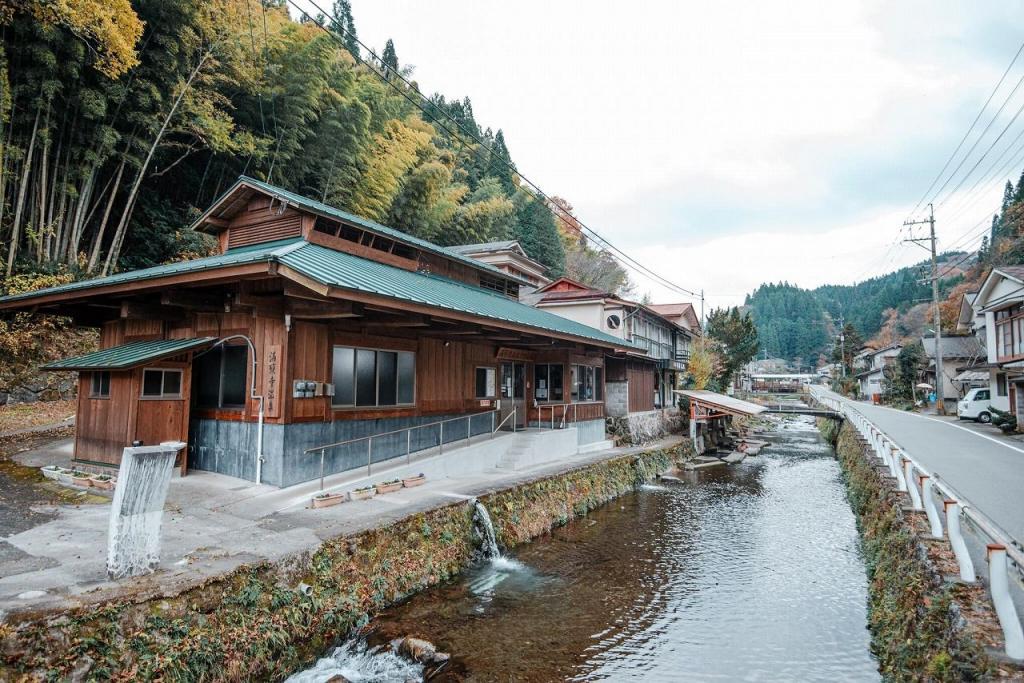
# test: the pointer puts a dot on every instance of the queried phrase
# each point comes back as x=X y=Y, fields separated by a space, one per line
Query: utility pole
x=842 y=343
x=940 y=406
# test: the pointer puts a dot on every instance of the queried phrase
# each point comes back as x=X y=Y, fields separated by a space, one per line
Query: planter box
x=51 y=472
x=328 y=500
x=389 y=487
x=104 y=484
x=413 y=482
x=85 y=481
x=362 y=495
x=64 y=477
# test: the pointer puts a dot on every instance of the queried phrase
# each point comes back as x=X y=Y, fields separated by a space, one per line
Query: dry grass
x=23 y=415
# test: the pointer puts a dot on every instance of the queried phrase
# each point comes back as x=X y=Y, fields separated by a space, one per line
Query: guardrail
x=1004 y=553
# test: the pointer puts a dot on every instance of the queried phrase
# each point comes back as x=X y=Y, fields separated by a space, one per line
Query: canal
x=748 y=572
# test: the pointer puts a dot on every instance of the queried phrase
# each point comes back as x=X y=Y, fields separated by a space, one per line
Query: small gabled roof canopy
x=722 y=402
x=480 y=247
x=237 y=197
x=132 y=355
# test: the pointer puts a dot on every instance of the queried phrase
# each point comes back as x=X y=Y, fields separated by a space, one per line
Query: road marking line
x=943 y=422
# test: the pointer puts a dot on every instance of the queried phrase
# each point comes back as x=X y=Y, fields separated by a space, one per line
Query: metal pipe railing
x=408 y=440
x=1005 y=553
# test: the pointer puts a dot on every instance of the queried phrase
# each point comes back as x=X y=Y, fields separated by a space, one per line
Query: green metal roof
x=327 y=210
x=129 y=355
x=338 y=269
x=345 y=271
x=234 y=257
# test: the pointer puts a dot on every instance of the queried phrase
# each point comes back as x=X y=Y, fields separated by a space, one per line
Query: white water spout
x=133 y=538
x=484 y=526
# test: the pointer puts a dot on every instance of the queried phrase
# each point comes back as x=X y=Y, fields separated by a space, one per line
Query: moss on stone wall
x=915 y=615
x=252 y=624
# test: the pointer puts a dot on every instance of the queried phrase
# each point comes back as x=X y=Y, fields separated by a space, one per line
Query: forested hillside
x=120 y=120
x=800 y=323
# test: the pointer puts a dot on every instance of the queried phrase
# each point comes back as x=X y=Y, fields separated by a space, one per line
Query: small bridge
x=804 y=410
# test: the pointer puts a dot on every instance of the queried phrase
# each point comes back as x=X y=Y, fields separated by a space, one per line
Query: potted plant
x=410 y=482
x=81 y=479
x=102 y=481
x=362 y=493
x=389 y=486
x=326 y=499
x=51 y=472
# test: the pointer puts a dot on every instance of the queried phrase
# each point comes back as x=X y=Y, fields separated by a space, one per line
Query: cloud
x=729 y=143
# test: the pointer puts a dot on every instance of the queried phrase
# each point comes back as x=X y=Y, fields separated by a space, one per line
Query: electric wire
x=967 y=134
x=603 y=242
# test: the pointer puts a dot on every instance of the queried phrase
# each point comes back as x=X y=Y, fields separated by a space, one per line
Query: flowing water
x=748 y=572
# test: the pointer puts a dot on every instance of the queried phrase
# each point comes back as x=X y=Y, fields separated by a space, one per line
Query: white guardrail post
x=1005 y=609
x=908 y=477
x=928 y=498
x=956 y=539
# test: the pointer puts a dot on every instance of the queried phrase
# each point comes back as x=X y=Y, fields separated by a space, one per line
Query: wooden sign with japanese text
x=272 y=396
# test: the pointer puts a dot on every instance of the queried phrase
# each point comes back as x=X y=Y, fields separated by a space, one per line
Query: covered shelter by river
x=711 y=414
x=313 y=326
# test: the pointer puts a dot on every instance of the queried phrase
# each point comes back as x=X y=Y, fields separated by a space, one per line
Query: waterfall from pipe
x=484 y=527
x=133 y=541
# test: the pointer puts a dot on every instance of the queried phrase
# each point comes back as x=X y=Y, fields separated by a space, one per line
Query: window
x=368 y=378
x=160 y=383
x=485 y=382
x=982 y=395
x=219 y=377
x=500 y=285
x=1001 y=384
x=547 y=382
x=99 y=384
x=587 y=383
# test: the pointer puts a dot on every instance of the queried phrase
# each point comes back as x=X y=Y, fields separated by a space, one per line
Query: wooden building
x=330 y=326
x=641 y=380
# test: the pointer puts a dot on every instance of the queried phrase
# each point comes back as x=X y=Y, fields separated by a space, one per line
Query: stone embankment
x=925 y=623
x=263 y=621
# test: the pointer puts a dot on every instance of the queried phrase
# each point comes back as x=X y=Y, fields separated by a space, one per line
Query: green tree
x=735 y=335
x=344 y=25
x=536 y=231
x=389 y=59
x=845 y=349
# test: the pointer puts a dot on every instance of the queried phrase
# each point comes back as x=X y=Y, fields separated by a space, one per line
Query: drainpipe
x=254 y=396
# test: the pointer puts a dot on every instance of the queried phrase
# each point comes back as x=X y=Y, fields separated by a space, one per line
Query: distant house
x=872 y=379
x=682 y=314
x=637 y=382
x=1000 y=303
x=959 y=352
x=509 y=257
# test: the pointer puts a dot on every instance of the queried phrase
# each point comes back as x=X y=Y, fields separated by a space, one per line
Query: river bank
x=925 y=622
x=262 y=620
x=744 y=572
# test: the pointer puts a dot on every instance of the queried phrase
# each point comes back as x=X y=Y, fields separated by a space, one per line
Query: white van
x=975 y=406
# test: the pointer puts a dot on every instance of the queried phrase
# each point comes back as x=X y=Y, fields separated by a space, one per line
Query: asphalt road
x=985 y=467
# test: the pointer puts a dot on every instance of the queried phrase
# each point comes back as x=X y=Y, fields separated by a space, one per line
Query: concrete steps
x=516 y=453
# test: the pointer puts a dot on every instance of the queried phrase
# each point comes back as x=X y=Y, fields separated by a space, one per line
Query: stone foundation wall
x=616 y=399
x=925 y=624
x=229 y=447
x=642 y=428
x=253 y=624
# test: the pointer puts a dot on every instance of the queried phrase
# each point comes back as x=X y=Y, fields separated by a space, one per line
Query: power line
x=602 y=241
x=967 y=134
x=985 y=153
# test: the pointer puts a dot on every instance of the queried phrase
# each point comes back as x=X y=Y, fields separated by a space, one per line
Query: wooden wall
x=259 y=223
x=641 y=386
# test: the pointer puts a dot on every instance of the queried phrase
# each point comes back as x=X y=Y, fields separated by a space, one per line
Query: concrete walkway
x=214 y=523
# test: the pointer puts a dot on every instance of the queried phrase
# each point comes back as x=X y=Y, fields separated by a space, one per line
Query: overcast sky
x=724 y=144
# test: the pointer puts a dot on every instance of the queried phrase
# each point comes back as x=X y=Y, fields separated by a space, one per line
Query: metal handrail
x=408 y=440
x=515 y=409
